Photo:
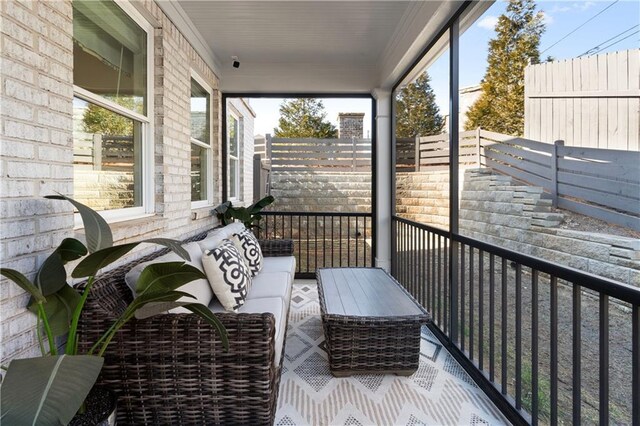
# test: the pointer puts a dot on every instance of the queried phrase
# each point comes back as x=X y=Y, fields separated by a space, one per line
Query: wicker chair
x=172 y=369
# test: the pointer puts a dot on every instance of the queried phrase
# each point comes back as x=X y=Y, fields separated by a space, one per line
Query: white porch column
x=383 y=178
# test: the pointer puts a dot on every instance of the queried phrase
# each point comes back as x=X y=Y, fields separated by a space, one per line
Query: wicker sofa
x=172 y=368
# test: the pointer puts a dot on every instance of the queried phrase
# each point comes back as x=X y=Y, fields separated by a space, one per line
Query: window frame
x=209 y=166
x=236 y=116
x=147 y=166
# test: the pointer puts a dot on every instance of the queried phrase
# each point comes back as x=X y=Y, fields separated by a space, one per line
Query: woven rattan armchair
x=172 y=369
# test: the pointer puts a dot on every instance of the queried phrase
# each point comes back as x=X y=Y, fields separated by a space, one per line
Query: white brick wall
x=37 y=147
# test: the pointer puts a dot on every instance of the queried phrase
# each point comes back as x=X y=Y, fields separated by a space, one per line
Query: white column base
x=384 y=264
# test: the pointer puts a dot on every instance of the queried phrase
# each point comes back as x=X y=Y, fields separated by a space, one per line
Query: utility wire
x=598 y=48
x=580 y=26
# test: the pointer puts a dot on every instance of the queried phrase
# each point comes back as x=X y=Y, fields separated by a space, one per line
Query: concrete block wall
x=36 y=85
x=321 y=191
x=499 y=211
x=424 y=197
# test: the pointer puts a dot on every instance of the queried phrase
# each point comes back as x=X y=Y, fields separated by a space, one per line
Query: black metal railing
x=548 y=343
x=322 y=239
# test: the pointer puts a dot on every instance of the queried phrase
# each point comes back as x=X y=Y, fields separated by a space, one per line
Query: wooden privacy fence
x=310 y=154
x=602 y=183
x=104 y=152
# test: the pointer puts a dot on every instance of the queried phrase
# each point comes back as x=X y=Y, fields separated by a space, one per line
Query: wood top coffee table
x=371 y=324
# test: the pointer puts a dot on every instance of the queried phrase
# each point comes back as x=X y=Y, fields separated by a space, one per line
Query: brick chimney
x=351 y=125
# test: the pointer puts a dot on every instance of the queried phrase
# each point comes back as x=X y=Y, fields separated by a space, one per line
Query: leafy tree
x=102 y=121
x=500 y=107
x=416 y=111
x=304 y=118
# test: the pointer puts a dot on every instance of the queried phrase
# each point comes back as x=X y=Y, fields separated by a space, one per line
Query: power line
x=580 y=26
x=616 y=42
x=598 y=48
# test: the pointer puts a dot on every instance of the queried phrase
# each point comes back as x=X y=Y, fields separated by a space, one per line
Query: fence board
x=514 y=140
x=519 y=174
x=521 y=164
x=602 y=198
x=604 y=170
x=611 y=216
x=615 y=187
x=608 y=155
x=519 y=152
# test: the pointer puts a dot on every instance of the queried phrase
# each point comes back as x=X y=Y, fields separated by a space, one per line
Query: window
x=200 y=143
x=112 y=127
x=233 y=139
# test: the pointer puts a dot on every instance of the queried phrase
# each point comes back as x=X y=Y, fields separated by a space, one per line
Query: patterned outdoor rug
x=439 y=393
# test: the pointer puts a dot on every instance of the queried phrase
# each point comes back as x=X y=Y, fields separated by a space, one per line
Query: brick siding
x=37 y=147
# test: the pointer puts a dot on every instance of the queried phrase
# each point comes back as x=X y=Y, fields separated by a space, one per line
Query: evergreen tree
x=416 y=111
x=500 y=107
x=304 y=118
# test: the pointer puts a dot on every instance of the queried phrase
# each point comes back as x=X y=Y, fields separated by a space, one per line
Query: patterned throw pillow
x=228 y=275
x=248 y=246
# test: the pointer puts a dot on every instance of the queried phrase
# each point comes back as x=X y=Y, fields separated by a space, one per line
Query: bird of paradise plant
x=49 y=390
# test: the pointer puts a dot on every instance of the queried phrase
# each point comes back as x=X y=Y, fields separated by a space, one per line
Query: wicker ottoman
x=371 y=324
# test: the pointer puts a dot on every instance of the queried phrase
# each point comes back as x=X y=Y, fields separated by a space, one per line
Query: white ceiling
x=310 y=46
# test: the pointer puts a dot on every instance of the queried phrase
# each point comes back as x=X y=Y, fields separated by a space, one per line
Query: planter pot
x=100 y=409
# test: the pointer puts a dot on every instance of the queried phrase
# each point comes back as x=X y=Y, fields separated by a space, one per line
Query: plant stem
x=72 y=347
x=39 y=335
x=113 y=332
x=47 y=328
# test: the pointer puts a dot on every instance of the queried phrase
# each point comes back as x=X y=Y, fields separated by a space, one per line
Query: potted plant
x=53 y=389
x=250 y=216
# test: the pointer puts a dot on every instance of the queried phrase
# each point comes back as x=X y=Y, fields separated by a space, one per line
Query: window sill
x=133 y=228
x=202 y=212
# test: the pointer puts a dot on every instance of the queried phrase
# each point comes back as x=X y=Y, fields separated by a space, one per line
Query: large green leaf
x=260 y=204
x=23 y=282
x=47 y=390
x=209 y=316
x=91 y=264
x=166 y=276
x=71 y=249
x=59 y=309
x=51 y=276
x=97 y=231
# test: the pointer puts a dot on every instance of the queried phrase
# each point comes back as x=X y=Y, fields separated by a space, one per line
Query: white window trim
x=148 y=196
x=238 y=196
x=209 y=146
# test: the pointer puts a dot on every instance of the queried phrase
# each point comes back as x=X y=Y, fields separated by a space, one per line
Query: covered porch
x=519 y=335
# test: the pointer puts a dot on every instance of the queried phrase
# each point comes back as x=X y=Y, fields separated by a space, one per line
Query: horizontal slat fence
x=104 y=152
x=549 y=344
x=602 y=183
x=311 y=154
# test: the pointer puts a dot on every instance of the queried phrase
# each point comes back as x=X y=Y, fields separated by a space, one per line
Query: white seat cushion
x=274 y=305
x=271 y=284
x=279 y=264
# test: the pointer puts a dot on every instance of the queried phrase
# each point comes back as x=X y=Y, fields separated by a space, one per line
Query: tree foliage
x=500 y=107
x=304 y=118
x=104 y=122
x=417 y=113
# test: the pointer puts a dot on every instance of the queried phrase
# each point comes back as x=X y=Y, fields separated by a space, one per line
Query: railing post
x=554 y=172
x=268 y=146
x=478 y=146
x=417 y=155
x=97 y=152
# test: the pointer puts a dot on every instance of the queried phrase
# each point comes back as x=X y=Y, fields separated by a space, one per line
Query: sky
x=615 y=28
